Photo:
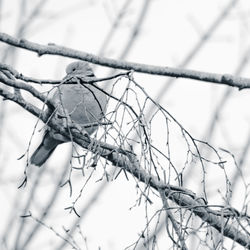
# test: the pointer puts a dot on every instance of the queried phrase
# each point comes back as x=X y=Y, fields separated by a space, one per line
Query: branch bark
x=129 y=162
x=52 y=49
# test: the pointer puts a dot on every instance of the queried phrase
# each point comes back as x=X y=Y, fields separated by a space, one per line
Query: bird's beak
x=66 y=77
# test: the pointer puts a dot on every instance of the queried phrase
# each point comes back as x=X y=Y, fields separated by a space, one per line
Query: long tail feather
x=44 y=150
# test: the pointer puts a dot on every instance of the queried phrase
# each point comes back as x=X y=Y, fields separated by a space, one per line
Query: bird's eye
x=73 y=69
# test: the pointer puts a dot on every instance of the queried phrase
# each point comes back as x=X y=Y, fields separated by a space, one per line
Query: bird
x=84 y=103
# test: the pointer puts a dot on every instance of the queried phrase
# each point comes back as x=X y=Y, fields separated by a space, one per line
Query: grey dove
x=85 y=104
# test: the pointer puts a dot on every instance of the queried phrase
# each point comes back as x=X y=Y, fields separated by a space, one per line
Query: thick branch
x=28 y=88
x=53 y=49
x=19 y=100
x=129 y=162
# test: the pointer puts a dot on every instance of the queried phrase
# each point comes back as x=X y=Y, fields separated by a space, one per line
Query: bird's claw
x=66 y=121
x=77 y=128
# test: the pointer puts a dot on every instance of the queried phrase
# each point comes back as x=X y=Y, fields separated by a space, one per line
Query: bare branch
x=30 y=89
x=17 y=99
x=52 y=49
x=128 y=161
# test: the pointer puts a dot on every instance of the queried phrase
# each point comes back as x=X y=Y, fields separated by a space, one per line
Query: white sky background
x=170 y=30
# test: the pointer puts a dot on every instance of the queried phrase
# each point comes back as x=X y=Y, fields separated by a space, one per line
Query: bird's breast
x=84 y=104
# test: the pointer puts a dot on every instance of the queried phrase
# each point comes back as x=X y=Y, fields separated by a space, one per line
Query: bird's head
x=79 y=68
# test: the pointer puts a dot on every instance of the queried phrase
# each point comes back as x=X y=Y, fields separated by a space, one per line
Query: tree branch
x=26 y=87
x=19 y=100
x=129 y=162
x=17 y=75
x=52 y=49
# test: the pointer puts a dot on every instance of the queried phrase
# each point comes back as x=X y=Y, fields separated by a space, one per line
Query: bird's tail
x=44 y=150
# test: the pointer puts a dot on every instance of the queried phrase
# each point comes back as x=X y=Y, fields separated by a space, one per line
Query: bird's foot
x=78 y=129
x=63 y=118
